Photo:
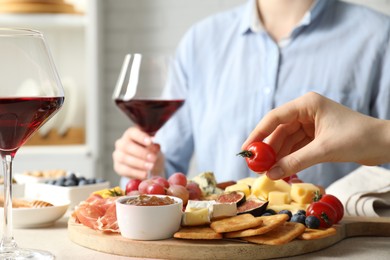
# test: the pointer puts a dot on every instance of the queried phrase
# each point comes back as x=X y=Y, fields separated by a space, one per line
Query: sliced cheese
x=278 y=197
x=263 y=185
x=239 y=187
x=303 y=193
x=196 y=217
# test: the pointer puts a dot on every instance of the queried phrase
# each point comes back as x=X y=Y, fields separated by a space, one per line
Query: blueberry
x=312 y=222
x=100 y=180
x=301 y=212
x=72 y=176
x=70 y=183
x=299 y=218
x=91 y=181
x=285 y=211
x=60 y=181
x=83 y=182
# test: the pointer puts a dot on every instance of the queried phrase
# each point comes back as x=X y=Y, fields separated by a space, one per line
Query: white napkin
x=364 y=192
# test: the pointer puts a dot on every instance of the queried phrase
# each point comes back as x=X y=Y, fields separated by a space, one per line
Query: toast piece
x=269 y=223
x=197 y=233
x=278 y=236
x=235 y=223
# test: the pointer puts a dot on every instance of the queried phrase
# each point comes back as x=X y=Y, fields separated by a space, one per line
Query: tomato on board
x=324 y=212
x=259 y=156
x=336 y=205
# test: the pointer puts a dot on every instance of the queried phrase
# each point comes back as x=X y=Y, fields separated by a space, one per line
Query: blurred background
x=88 y=40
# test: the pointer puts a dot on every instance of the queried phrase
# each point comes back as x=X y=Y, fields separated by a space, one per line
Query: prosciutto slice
x=98 y=213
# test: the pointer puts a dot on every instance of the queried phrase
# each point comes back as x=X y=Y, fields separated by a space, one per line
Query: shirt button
x=267 y=90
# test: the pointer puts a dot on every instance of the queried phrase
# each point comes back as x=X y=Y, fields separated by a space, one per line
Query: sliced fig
x=237 y=197
x=253 y=206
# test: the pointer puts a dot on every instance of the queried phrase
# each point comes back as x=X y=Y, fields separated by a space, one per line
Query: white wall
x=146 y=26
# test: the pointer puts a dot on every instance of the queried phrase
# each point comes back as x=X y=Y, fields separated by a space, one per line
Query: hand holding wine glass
x=139 y=94
x=23 y=56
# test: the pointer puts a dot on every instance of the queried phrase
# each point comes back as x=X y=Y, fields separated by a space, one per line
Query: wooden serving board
x=221 y=249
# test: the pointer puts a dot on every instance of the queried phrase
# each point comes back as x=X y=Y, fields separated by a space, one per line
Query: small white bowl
x=37 y=217
x=74 y=194
x=148 y=222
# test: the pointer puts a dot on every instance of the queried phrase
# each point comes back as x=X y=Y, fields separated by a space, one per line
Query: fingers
x=297 y=161
x=135 y=154
x=285 y=114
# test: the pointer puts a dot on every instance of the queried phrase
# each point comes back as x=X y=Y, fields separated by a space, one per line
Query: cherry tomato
x=324 y=212
x=336 y=204
x=259 y=156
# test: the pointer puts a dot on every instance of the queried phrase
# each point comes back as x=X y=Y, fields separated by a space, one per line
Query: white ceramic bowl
x=37 y=217
x=148 y=222
x=74 y=194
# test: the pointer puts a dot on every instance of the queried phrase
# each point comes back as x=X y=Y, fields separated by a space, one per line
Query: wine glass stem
x=7 y=241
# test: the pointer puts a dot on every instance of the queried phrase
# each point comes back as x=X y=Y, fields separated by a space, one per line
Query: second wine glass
x=140 y=91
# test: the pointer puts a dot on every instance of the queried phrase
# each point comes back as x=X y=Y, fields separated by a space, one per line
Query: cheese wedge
x=196 y=217
x=223 y=210
x=215 y=210
x=303 y=193
x=263 y=185
x=278 y=197
x=207 y=184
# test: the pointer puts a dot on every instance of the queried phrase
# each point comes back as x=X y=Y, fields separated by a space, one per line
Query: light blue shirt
x=232 y=73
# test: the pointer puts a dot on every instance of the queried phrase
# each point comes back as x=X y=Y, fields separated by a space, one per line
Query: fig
x=237 y=197
x=253 y=206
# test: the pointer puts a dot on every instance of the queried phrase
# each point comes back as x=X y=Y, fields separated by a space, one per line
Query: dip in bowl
x=149 y=217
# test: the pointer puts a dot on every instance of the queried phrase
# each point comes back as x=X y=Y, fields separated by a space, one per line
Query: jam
x=145 y=200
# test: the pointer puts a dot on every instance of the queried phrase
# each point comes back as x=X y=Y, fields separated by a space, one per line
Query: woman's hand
x=314 y=129
x=135 y=154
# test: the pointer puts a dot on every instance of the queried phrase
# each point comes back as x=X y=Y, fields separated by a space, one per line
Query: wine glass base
x=23 y=253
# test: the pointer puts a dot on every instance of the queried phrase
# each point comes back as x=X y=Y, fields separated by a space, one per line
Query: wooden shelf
x=44 y=20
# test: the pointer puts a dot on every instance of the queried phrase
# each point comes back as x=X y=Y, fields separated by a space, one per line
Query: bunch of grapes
x=176 y=185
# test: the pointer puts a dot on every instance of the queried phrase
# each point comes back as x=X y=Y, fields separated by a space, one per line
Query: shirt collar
x=251 y=21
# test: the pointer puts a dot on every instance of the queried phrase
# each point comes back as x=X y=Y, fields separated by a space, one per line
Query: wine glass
x=24 y=56
x=140 y=91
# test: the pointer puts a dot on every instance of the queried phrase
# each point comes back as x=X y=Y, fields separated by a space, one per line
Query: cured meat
x=98 y=213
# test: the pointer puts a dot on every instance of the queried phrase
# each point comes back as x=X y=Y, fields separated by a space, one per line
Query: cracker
x=278 y=236
x=197 y=233
x=235 y=223
x=269 y=223
x=310 y=234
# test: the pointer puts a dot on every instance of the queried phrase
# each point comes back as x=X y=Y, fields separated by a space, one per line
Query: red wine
x=20 y=117
x=149 y=114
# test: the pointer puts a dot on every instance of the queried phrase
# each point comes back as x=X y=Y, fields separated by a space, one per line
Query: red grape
x=155 y=188
x=132 y=185
x=160 y=180
x=194 y=191
x=179 y=191
x=178 y=178
x=142 y=188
